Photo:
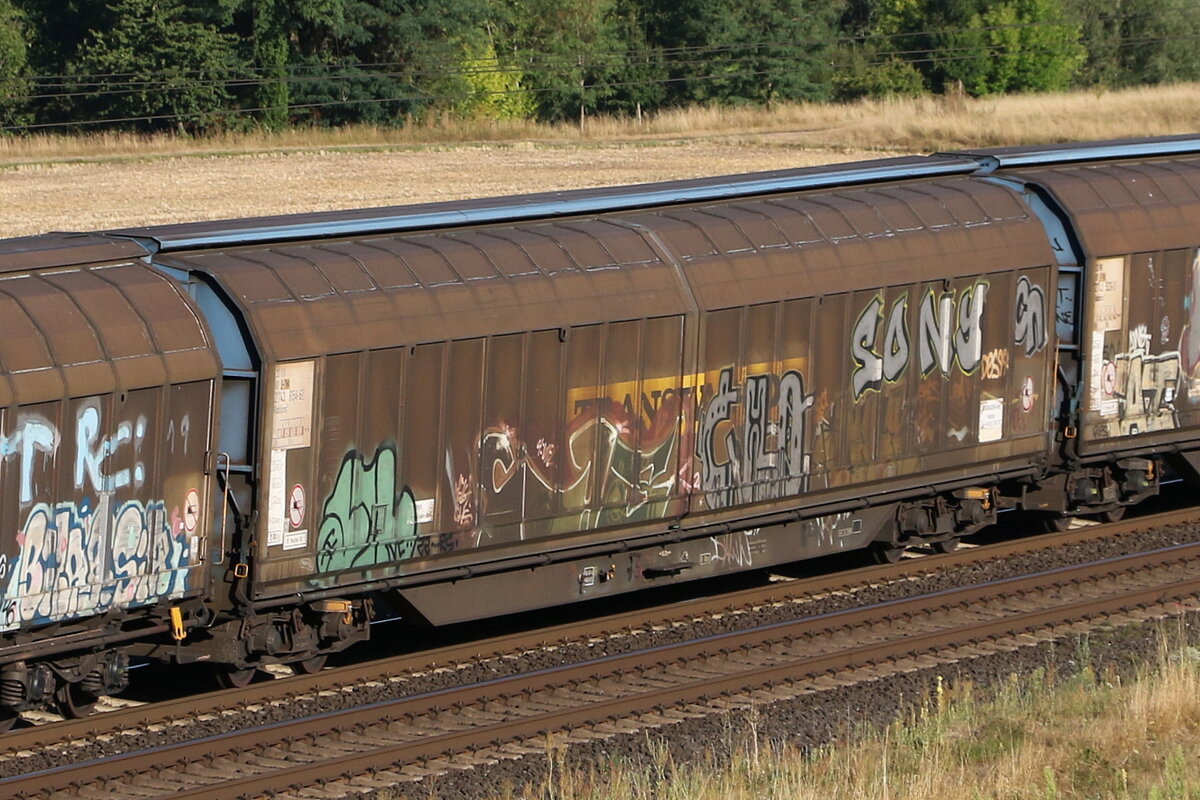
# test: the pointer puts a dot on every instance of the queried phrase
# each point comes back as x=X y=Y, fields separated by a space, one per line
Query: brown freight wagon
x=106 y=397
x=466 y=409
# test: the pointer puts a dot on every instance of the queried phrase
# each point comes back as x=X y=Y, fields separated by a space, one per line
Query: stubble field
x=107 y=181
x=92 y=195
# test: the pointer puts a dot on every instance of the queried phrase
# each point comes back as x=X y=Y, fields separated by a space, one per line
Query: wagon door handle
x=223 y=474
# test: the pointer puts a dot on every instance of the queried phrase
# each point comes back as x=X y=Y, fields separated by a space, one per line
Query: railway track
x=481 y=660
x=373 y=746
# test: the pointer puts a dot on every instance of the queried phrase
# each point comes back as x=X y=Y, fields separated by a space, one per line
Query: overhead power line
x=426 y=97
x=737 y=62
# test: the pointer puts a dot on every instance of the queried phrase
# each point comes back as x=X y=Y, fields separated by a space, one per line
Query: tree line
x=214 y=65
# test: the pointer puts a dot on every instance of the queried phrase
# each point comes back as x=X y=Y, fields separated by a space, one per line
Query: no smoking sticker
x=296 y=506
x=191 y=510
x=1108 y=377
x=1027 y=394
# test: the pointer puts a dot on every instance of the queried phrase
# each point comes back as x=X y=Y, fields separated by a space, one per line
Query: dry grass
x=118 y=180
x=921 y=124
x=1088 y=739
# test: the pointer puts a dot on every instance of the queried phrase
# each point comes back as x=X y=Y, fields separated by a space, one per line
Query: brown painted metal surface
x=64 y=250
x=483 y=388
x=313 y=299
x=1137 y=223
x=808 y=245
x=106 y=375
x=80 y=327
x=1128 y=207
x=316 y=298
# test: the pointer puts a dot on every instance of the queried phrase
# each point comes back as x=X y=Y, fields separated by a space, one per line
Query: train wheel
x=945 y=545
x=234 y=678
x=310 y=665
x=1114 y=514
x=1056 y=523
x=887 y=553
x=74 y=702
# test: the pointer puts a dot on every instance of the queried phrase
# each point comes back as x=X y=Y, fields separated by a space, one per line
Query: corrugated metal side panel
x=1128 y=207
x=803 y=246
x=84 y=331
x=542 y=275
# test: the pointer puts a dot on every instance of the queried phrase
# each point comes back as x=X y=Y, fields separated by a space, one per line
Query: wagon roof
x=64 y=250
x=1074 y=152
x=314 y=297
x=85 y=315
x=1126 y=207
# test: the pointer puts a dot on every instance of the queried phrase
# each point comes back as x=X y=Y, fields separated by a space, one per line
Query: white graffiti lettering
x=941 y=340
x=1029 y=316
x=90 y=452
x=868 y=370
x=80 y=559
x=872 y=368
x=768 y=459
x=33 y=435
x=895 y=343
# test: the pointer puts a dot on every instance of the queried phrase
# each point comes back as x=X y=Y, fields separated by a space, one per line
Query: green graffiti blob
x=365 y=521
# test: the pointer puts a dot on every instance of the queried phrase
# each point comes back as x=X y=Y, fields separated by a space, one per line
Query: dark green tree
x=57 y=29
x=860 y=70
x=579 y=57
x=1138 y=42
x=362 y=61
x=729 y=51
x=158 y=66
x=284 y=33
x=54 y=32
x=865 y=62
x=13 y=61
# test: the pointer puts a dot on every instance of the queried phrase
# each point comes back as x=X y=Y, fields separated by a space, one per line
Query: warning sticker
x=1027 y=395
x=1108 y=378
x=191 y=510
x=295 y=540
x=296 y=506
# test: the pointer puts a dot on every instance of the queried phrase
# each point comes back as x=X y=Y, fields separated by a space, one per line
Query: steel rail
x=62 y=778
x=425 y=750
x=165 y=712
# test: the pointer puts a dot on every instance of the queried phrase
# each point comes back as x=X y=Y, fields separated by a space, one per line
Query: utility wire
x=418 y=96
x=568 y=67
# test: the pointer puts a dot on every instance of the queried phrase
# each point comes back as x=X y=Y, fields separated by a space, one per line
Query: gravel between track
x=806 y=721
x=493 y=668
